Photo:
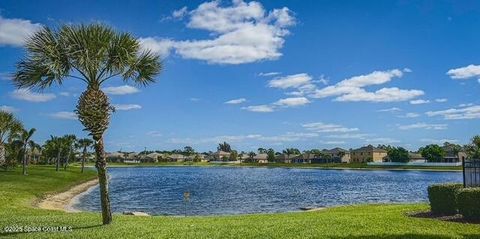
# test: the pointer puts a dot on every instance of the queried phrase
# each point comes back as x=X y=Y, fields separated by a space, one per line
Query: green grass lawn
x=17 y=193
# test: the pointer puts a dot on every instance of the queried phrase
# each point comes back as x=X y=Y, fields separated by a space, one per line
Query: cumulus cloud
x=410 y=115
x=242 y=33
x=383 y=141
x=236 y=101
x=294 y=101
x=423 y=126
x=9 y=109
x=180 y=13
x=353 y=89
x=419 y=102
x=14 y=32
x=321 y=127
x=120 y=90
x=259 y=108
x=466 y=72
x=28 y=95
x=290 y=81
x=348 y=136
x=441 y=100
x=64 y=115
x=127 y=106
x=467 y=111
x=438 y=141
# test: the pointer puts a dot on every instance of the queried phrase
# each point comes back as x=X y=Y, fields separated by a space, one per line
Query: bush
x=442 y=198
x=468 y=203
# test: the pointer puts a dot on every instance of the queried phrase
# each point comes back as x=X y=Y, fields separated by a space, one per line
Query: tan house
x=261 y=158
x=338 y=153
x=221 y=155
x=367 y=154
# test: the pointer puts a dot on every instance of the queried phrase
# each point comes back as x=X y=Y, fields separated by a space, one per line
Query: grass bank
x=17 y=193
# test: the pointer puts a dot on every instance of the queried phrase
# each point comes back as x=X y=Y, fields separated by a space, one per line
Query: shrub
x=442 y=198
x=468 y=203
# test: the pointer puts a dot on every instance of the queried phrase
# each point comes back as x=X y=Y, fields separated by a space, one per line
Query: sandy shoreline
x=62 y=201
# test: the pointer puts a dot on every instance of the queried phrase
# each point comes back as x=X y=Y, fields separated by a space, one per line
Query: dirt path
x=61 y=201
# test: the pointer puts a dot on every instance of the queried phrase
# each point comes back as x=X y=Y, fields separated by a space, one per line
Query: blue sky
x=305 y=74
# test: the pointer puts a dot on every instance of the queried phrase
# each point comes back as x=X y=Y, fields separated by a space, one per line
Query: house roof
x=369 y=148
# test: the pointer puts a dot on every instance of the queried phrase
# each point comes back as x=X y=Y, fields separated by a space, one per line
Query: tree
x=233 y=155
x=23 y=139
x=93 y=54
x=473 y=149
x=187 y=150
x=84 y=144
x=398 y=155
x=262 y=151
x=9 y=126
x=271 y=155
x=33 y=146
x=225 y=147
x=433 y=153
x=70 y=141
x=251 y=155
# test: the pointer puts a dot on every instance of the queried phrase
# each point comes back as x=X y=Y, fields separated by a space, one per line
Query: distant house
x=115 y=157
x=367 y=154
x=176 y=158
x=338 y=155
x=416 y=157
x=261 y=158
x=303 y=158
x=285 y=158
x=221 y=155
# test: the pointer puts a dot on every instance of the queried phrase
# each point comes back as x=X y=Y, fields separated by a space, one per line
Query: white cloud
x=64 y=115
x=323 y=80
x=14 y=32
x=321 y=127
x=393 y=109
x=127 y=106
x=333 y=142
x=156 y=45
x=352 y=89
x=121 y=90
x=383 y=141
x=290 y=81
x=268 y=73
x=259 y=108
x=9 y=109
x=439 y=141
x=441 y=100
x=180 y=13
x=64 y=94
x=236 y=101
x=419 y=102
x=423 y=126
x=294 y=101
x=194 y=99
x=466 y=72
x=410 y=115
x=465 y=112
x=28 y=95
x=348 y=136
x=242 y=33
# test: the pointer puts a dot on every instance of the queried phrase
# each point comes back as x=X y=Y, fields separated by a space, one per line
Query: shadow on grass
x=458 y=218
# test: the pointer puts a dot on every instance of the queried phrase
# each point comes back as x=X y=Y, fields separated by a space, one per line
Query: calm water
x=159 y=191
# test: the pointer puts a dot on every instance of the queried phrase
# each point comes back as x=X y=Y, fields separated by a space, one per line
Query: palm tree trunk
x=83 y=157
x=58 y=160
x=66 y=160
x=2 y=156
x=25 y=160
x=101 y=166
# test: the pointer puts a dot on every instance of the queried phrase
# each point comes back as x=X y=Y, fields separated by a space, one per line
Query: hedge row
x=450 y=199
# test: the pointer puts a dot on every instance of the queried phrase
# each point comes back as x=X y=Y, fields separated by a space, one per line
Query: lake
x=240 y=190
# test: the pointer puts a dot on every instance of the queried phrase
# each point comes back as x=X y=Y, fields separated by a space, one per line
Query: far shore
x=63 y=201
x=332 y=166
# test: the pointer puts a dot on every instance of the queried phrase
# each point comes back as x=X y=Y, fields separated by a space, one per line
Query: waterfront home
x=416 y=157
x=176 y=158
x=221 y=155
x=367 y=154
x=454 y=157
x=285 y=158
x=303 y=158
x=260 y=158
x=338 y=155
x=115 y=157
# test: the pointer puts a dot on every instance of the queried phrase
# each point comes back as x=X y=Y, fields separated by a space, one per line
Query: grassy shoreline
x=333 y=166
x=18 y=192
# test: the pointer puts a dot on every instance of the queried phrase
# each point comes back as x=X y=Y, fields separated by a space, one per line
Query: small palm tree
x=84 y=144
x=70 y=141
x=9 y=127
x=93 y=54
x=24 y=138
x=33 y=147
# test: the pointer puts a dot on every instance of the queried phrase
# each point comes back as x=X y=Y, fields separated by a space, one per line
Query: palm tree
x=9 y=126
x=33 y=146
x=93 y=54
x=70 y=141
x=24 y=138
x=84 y=144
